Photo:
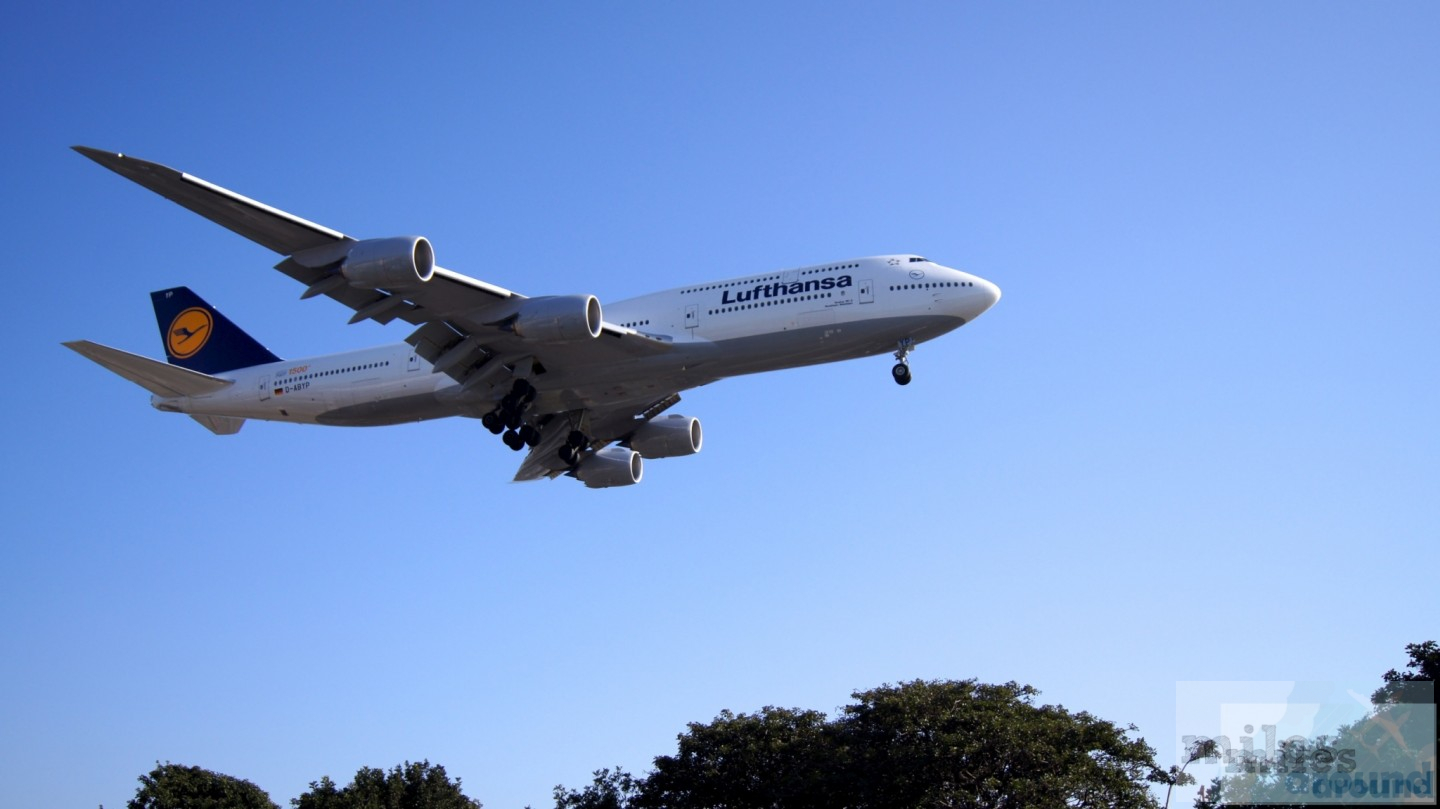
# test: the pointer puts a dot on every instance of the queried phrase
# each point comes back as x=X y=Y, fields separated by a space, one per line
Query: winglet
x=107 y=159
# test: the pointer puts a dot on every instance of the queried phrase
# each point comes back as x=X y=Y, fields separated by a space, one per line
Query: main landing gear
x=574 y=443
x=901 y=371
x=508 y=419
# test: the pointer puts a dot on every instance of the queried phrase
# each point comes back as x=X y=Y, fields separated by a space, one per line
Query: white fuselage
x=824 y=313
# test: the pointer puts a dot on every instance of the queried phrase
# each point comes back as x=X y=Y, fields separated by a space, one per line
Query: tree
x=1176 y=776
x=777 y=757
x=917 y=744
x=609 y=790
x=964 y=744
x=419 y=785
x=1425 y=665
x=176 y=786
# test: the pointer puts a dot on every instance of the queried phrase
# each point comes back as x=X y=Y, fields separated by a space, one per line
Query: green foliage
x=417 y=785
x=778 y=757
x=1424 y=667
x=176 y=786
x=917 y=744
x=609 y=790
x=969 y=744
x=1176 y=776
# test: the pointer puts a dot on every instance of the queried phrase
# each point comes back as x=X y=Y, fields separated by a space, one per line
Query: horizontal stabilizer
x=160 y=378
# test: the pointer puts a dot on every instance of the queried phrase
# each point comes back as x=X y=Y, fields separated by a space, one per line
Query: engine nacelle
x=559 y=318
x=397 y=263
x=669 y=437
x=611 y=466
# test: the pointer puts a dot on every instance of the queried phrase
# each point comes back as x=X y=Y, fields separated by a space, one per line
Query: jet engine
x=397 y=263
x=611 y=466
x=559 y=318
x=669 y=437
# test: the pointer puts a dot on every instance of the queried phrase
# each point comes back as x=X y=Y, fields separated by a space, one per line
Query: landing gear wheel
x=512 y=440
x=512 y=419
x=522 y=392
x=492 y=422
x=529 y=435
x=567 y=455
x=577 y=439
x=901 y=371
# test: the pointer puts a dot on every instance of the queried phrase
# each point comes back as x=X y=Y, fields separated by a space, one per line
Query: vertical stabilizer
x=196 y=336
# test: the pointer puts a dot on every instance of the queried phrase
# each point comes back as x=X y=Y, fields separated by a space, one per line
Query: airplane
x=584 y=389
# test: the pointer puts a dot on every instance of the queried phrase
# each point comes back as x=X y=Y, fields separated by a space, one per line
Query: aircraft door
x=867 y=291
x=265 y=389
x=692 y=316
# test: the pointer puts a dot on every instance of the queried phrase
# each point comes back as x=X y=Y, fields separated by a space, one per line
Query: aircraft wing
x=465 y=324
x=277 y=230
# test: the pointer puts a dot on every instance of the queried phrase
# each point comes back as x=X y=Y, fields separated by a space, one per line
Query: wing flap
x=446 y=295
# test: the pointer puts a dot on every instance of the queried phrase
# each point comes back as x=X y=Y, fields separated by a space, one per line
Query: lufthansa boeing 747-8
x=582 y=390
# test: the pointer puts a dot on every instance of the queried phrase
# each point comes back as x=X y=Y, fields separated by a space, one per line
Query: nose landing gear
x=901 y=371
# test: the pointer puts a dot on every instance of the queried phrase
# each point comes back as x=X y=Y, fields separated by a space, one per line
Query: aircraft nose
x=983 y=296
x=989 y=292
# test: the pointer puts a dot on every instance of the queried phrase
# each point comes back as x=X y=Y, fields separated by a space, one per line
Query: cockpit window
x=914 y=259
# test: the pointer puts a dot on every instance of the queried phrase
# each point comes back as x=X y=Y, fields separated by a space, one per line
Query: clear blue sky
x=1196 y=440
